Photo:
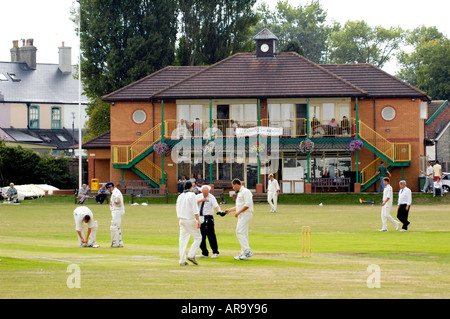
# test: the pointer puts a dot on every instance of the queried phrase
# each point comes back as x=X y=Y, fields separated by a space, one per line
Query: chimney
x=27 y=54
x=65 y=59
x=15 y=54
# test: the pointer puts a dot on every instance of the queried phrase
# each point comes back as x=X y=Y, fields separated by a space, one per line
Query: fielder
x=188 y=215
x=83 y=214
x=386 y=206
x=273 y=190
x=244 y=214
x=117 y=211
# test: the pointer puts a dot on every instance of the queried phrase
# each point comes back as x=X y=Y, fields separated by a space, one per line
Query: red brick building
x=281 y=91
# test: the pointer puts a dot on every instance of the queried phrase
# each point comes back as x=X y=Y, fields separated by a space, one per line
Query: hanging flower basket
x=257 y=147
x=306 y=146
x=356 y=145
x=209 y=148
x=160 y=148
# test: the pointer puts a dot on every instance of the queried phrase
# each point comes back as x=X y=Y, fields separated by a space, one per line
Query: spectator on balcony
x=181 y=129
x=345 y=125
x=333 y=126
x=315 y=126
x=197 y=127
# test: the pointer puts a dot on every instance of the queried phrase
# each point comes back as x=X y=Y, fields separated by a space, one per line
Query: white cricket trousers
x=92 y=236
x=272 y=197
x=116 y=230
x=386 y=215
x=242 y=230
x=189 y=228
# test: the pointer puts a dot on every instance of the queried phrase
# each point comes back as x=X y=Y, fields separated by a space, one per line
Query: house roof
x=288 y=74
x=375 y=81
x=244 y=76
x=100 y=141
x=61 y=139
x=46 y=84
x=143 y=89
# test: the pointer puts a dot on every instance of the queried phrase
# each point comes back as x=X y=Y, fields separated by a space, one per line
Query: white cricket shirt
x=244 y=199
x=187 y=205
x=79 y=214
x=272 y=186
x=388 y=193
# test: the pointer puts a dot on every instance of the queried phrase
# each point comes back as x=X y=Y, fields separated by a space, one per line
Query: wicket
x=306 y=241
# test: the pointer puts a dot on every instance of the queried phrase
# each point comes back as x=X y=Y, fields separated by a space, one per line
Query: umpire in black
x=207 y=204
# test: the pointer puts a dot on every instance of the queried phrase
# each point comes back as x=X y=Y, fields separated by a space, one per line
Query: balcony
x=291 y=128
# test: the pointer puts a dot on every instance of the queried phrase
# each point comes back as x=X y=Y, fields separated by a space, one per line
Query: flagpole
x=80 y=168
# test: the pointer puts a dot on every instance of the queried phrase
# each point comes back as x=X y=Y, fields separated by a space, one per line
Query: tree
x=123 y=41
x=301 y=28
x=357 y=42
x=212 y=30
x=427 y=67
x=99 y=119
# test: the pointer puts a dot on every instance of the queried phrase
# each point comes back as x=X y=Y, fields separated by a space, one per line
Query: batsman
x=117 y=211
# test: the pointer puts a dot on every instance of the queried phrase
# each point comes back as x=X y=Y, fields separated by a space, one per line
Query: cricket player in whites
x=117 y=211
x=244 y=214
x=82 y=215
x=273 y=190
x=188 y=216
x=386 y=206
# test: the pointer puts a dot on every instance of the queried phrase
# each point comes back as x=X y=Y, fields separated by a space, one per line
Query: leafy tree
x=427 y=66
x=301 y=28
x=99 y=119
x=123 y=41
x=357 y=42
x=212 y=30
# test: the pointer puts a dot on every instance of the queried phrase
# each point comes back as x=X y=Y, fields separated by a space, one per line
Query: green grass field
x=38 y=243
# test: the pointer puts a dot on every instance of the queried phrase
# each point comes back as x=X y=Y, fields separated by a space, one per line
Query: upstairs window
x=56 y=118
x=33 y=117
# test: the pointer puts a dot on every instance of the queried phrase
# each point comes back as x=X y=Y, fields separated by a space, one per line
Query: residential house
x=39 y=102
x=437 y=133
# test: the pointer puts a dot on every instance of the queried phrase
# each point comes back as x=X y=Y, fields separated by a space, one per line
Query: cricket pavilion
x=247 y=116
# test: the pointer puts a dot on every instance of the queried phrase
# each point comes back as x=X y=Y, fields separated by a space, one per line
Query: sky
x=48 y=21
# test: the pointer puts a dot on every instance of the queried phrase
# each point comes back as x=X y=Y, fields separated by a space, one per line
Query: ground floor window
x=293 y=166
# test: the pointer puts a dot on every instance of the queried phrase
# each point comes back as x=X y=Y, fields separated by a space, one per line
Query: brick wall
x=406 y=127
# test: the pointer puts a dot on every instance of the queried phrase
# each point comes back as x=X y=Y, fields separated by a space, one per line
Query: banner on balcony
x=261 y=130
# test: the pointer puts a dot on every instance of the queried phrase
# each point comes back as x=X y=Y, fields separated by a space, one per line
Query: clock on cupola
x=265 y=44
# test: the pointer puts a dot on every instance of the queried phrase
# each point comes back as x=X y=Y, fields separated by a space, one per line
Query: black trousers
x=207 y=230
x=402 y=215
x=100 y=198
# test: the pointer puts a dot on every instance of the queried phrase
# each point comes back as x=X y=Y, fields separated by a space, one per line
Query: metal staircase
x=134 y=156
x=393 y=154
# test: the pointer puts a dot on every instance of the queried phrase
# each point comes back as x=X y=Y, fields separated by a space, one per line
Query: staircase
x=393 y=154
x=134 y=156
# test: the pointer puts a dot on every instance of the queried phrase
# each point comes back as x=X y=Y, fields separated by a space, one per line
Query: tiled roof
x=244 y=76
x=61 y=139
x=46 y=84
x=100 y=141
x=143 y=89
x=375 y=81
x=288 y=74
